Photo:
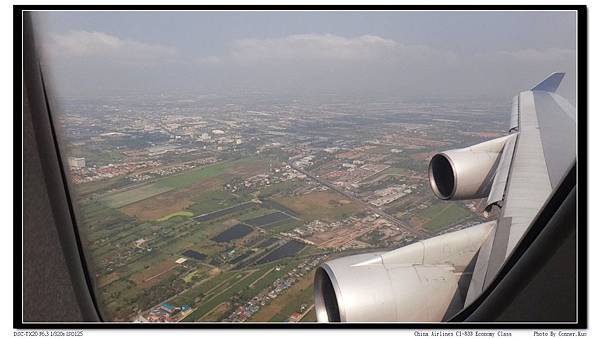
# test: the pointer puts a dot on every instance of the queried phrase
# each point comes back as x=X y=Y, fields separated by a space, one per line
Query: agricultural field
x=174 y=193
x=310 y=317
x=265 y=281
x=212 y=281
x=323 y=205
x=284 y=226
x=223 y=212
x=240 y=282
x=441 y=215
x=287 y=303
x=236 y=168
x=286 y=250
x=217 y=313
x=304 y=296
x=282 y=188
x=209 y=201
x=199 y=273
x=186 y=240
x=137 y=234
x=126 y=197
x=210 y=295
x=265 y=221
x=100 y=186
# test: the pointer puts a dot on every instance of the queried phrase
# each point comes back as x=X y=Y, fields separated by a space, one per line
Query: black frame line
x=63 y=210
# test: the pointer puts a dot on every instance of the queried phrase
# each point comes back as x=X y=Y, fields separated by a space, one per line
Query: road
x=395 y=221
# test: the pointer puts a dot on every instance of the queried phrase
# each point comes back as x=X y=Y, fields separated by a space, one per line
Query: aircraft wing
x=433 y=279
x=540 y=152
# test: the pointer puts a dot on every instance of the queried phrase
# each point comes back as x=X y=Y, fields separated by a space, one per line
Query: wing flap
x=501 y=176
x=514 y=115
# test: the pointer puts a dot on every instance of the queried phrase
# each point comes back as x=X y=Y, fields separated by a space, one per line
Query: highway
x=419 y=233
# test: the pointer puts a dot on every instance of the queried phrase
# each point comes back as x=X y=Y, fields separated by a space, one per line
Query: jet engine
x=465 y=173
x=419 y=282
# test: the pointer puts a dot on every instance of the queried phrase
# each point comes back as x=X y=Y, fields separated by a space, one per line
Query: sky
x=405 y=54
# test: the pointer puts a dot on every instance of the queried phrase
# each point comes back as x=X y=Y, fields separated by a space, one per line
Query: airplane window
x=219 y=160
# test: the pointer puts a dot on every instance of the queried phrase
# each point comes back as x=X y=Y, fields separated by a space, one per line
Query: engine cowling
x=465 y=173
x=415 y=283
x=374 y=293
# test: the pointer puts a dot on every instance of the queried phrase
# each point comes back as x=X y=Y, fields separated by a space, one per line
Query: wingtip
x=551 y=83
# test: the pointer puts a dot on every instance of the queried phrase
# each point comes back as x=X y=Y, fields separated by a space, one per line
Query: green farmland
x=189 y=177
x=129 y=196
x=241 y=283
x=442 y=215
x=120 y=199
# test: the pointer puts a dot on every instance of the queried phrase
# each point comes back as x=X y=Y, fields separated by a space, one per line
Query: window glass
x=218 y=158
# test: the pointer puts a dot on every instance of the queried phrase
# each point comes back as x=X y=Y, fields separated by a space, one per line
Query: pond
x=232 y=233
x=194 y=255
x=286 y=250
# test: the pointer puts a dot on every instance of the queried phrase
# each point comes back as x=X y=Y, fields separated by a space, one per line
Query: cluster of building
x=82 y=174
x=169 y=170
x=389 y=194
x=313 y=227
x=193 y=128
x=274 y=176
x=166 y=312
x=304 y=162
x=350 y=176
x=76 y=163
x=318 y=226
x=297 y=316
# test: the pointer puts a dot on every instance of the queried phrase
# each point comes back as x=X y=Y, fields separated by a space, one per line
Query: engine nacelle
x=465 y=173
x=416 y=283
x=368 y=293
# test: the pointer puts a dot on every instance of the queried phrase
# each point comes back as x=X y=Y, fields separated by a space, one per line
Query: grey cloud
x=326 y=48
x=102 y=46
x=312 y=47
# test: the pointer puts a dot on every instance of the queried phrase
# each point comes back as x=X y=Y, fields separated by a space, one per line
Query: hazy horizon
x=409 y=55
